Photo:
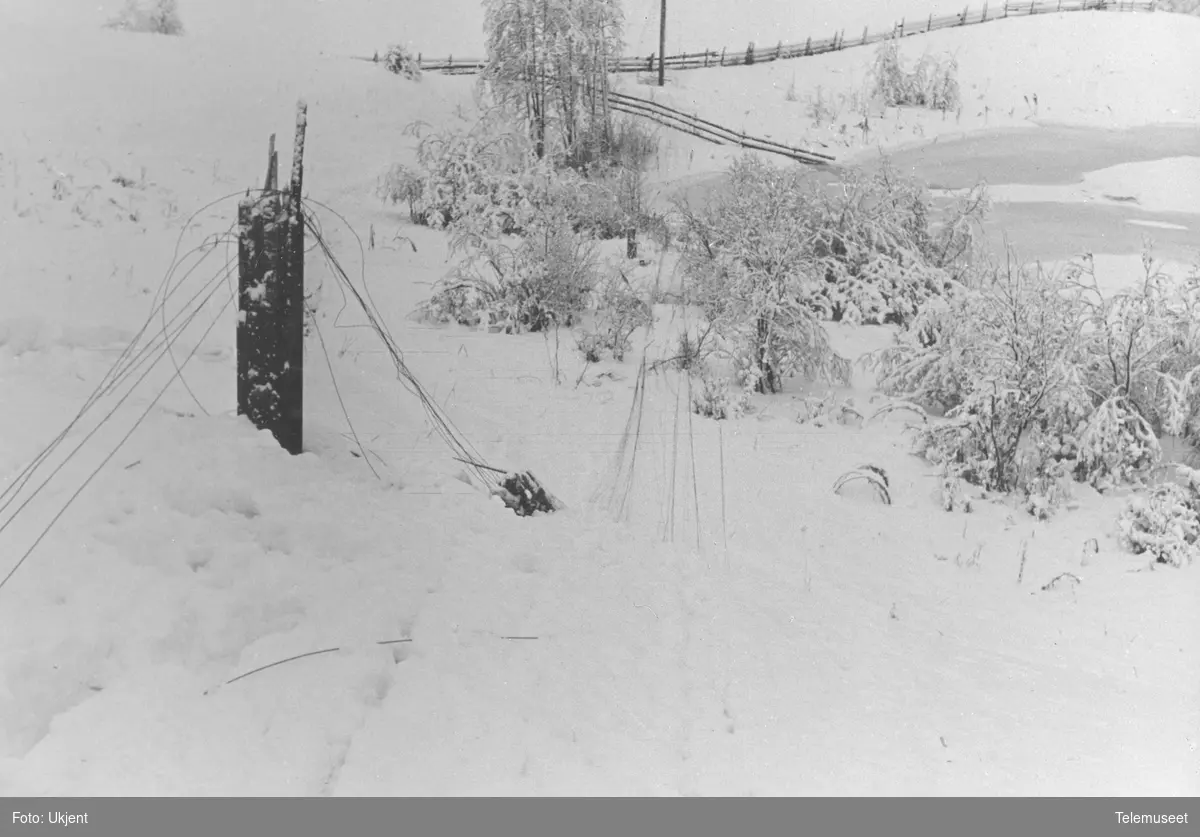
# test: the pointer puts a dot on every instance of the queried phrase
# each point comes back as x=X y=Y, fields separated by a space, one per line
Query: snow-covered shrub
x=1166 y=523
x=402 y=185
x=633 y=144
x=1043 y=378
x=155 y=16
x=713 y=397
x=880 y=256
x=691 y=351
x=773 y=253
x=620 y=311
x=747 y=264
x=483 y=177
x=999 y=361
x=516 y=284
x=596 y=209
x=1143 y=346
x=1117 y=445
x=402 y=62
x=463 y=300
x=932 y=83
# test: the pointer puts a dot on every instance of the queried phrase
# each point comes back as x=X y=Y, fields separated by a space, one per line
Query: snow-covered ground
x=738 y=629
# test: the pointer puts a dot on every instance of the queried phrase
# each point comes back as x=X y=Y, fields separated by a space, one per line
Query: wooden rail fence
x=711 y=131
x=752 y=54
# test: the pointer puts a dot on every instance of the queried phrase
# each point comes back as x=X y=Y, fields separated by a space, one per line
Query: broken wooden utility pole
x=662 y=44
x=270 y=329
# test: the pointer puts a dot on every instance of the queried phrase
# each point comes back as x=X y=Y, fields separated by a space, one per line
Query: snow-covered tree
x=548 y=63
x=748 y=264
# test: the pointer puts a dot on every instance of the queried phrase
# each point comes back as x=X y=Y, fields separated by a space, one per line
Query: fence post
x=901 y=27
x=272 y=181
x=808 y=46
x=706 y=54
x=270 y=330
x=929 y=25
x=984 y=12
x=722 y=56
x=864 y=40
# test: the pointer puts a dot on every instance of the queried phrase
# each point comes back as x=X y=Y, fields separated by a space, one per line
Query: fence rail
x=711 y=131
x=837 y=41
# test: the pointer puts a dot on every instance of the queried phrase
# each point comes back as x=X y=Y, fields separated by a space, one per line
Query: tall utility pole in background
x=662 y=43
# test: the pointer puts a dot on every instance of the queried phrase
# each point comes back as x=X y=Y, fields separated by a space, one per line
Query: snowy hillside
x=737 y=627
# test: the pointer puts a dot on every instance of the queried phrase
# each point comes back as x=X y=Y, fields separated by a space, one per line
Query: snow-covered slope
x=738 y=629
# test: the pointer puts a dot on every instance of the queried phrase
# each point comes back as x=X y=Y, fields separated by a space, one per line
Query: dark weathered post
x=293 y=382
x=270 y=331
x=631 y=248
x=662 y=43
x=272 y=181
x=864 y=40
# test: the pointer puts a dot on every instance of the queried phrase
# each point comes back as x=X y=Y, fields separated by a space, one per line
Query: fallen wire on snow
x=520 y=491
x=301 y=657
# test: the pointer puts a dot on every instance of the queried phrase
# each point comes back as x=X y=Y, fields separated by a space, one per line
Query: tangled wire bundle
x=522 y=493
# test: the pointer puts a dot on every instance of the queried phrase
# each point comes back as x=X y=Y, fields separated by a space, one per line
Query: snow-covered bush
x=880 y=255
x=1142 y=345
x=1165 y=524
x=748 y=264
x=713 y=397
x=155 y=16
x=534 y=282
x=402 y=62
x=633 y=143
x=620 y=311
x=402 y=185
x=932 y=83
x=773 y=253
x=481 y=174
x=1042 y=378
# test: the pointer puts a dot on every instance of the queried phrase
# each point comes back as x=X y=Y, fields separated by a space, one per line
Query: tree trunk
x=769 y=382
